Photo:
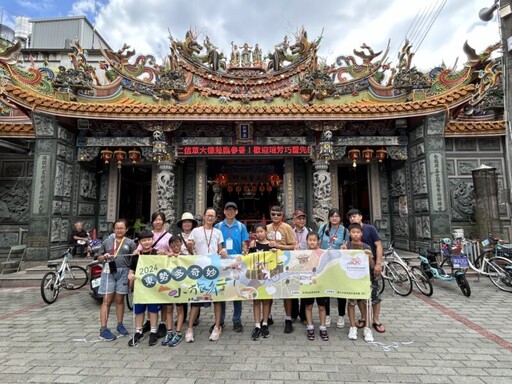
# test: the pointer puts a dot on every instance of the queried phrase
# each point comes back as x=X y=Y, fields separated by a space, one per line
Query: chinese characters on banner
x=262 y=275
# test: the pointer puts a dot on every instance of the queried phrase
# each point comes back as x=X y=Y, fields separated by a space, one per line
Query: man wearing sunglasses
x=281 y=236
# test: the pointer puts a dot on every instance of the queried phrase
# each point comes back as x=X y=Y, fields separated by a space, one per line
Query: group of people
x=230 y=237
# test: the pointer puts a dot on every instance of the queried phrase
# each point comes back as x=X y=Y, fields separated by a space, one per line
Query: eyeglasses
x=209 y=215
x=301 y=218
x=275 y=214
x=120 y=229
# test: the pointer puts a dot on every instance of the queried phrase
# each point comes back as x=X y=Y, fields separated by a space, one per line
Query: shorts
x=319 y=301
x=376 y=285
x=141 y=308
x=114 y=282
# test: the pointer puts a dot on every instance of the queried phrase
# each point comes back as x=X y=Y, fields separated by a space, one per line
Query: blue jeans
x=237 y=312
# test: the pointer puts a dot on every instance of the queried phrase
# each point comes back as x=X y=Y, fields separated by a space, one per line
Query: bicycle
x=69 y=277
x=396 y=273
x=488 y=263
x=459 y=263
x=418 y=277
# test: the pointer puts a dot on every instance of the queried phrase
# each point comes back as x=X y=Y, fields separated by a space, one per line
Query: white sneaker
x=217 y=331
x=189 y=335
x=352 y=333
x=328 y=321
x=368 y=335
x=341 y=322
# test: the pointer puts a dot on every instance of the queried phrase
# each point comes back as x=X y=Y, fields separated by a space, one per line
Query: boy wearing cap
x=235 y=241
x=145 y=241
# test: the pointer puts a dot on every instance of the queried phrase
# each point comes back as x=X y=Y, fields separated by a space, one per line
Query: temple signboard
x=243 y=150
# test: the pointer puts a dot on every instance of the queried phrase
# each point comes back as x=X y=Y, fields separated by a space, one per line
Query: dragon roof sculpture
x=289 y=79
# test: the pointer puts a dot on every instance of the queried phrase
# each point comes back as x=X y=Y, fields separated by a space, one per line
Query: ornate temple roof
x=197 y=82
x=475 y=128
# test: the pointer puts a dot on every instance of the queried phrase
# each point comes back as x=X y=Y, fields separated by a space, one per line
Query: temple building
x=123 y=136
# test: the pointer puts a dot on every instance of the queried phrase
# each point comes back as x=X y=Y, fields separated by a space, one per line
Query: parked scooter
x=95 y=269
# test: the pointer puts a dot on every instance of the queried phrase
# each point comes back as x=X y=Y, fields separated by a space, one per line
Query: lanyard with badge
x=229 y=240
x=111 y=265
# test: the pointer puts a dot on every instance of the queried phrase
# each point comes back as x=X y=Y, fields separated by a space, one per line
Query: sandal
x=379 y=327
x=361 y=323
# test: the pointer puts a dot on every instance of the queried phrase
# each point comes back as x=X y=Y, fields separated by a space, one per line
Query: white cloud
x=83 y=7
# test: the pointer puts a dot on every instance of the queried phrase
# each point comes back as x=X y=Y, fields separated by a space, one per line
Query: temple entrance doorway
x=254 y=185
x=135 y=194
x=353 y=190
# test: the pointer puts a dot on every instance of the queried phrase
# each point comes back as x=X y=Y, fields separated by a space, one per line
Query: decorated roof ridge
x=475 y=128
x=291 y=71
x=35 y=102
x=20 y=130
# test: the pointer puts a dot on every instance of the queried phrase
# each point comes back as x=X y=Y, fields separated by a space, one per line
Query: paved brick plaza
x=454 y=340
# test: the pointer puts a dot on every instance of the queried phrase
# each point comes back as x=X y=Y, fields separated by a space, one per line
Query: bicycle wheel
x=463 y=284
x=398 y=278
x=129 y=299
x=49 y=287
x=421 y=281
x=500 y=272
x=75 y=278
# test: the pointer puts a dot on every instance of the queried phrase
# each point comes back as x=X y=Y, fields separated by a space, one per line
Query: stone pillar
x=437 y=181
x=287 y=189
x=200 y=186
x=51 y=194
x=165 y=187
x=321 y=191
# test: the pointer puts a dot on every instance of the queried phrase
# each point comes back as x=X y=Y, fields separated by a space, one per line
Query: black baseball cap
x=231 y=205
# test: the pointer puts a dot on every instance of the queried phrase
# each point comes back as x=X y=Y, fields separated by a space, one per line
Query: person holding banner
x=207 y=240
x=172 y=339
x=313 y=241
x=261 y=244
x=161 y=244
x=145 y=241
x=372 y=238
x=356 y=234
x=301 y=232
x=116 y=254
x=281 y=237
x=332 y=236
x=235 y=240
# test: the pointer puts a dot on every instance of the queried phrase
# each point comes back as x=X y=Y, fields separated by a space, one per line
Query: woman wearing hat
x=187 y=223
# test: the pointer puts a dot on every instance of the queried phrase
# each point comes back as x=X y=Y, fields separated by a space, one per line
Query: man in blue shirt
x=235 y=241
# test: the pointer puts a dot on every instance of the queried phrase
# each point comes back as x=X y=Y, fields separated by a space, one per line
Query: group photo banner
x=256 y=276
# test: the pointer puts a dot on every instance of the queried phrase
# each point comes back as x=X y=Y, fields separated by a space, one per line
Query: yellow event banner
x=261 y=275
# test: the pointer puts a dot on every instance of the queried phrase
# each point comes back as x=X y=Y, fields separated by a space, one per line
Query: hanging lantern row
x=249 y=188
x=367 y=155
x=120 y=155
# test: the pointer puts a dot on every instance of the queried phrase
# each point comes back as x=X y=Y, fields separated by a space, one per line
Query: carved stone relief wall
x=463 y=156
x=300 y=186
x=15 y=190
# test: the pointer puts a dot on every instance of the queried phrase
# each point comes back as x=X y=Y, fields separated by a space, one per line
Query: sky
x=344 y=24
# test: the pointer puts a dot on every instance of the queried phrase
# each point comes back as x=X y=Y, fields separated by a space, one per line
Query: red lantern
x=134 y=156
x=106 y=155
x=120 y=156
x=254 y=188
x=275 y=179
x=269 y=188
x=354 y=154
x=367 y=154
x=221 y=179
x=262 y=188
x=381 y=154
x=238 y=188
x=230 y=188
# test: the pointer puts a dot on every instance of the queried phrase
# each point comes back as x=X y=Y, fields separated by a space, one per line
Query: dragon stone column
x=321 y=191
x=165 y=187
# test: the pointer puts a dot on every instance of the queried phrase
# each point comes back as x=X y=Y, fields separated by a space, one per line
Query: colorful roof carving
x=291 y=82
